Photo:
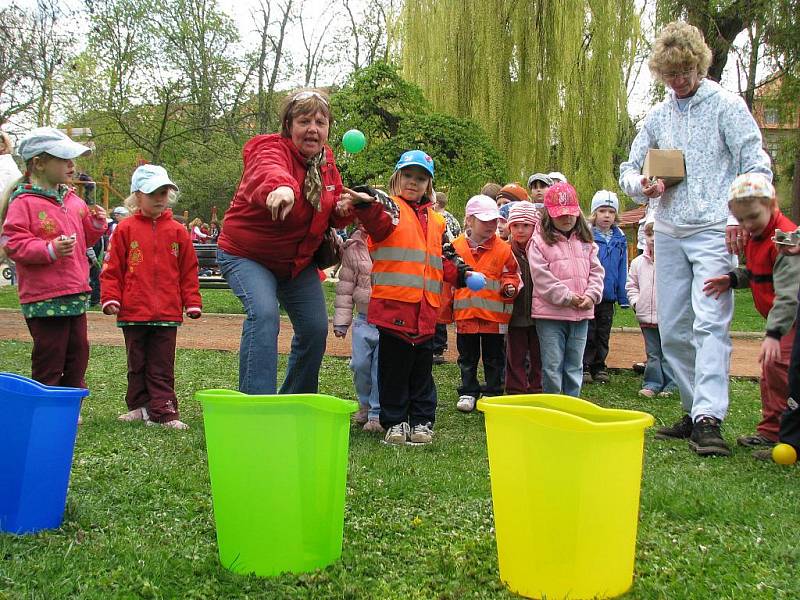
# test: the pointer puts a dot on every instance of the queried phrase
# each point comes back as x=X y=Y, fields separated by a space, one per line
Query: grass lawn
x=746 y=318
x=418 y=521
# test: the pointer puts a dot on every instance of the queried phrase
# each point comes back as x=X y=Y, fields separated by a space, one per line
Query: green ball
x=354 y=141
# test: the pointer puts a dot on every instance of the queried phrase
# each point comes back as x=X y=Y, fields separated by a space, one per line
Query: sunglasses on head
x=308 y=94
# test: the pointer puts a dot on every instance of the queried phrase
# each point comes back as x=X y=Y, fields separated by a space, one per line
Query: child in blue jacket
x=613 y=253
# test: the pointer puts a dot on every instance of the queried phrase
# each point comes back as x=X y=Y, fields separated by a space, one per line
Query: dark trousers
x=790 y=420
x=94 y=283
x=405 y=381
x=60 y=350
x=596 y=351
x=523 y=361
x=471 y=348
x=151 y=370
x=440 y=339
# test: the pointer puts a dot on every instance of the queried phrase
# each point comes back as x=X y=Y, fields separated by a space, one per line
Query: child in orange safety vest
x=482 y=315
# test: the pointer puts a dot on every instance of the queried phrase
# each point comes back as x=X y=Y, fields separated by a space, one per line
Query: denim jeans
x=694 y=327
x=260 y=293
x=364 y=364
x=657 y=372
x=561 y=344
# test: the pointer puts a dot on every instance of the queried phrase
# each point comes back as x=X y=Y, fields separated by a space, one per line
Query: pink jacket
x=641 y=288
x=354 y=285
x=32 y=222
x=568 y=267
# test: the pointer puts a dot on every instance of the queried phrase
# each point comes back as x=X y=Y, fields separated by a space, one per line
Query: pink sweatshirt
x=354 y=285
x=32 y=222
x=568 y=267
x=641 y=288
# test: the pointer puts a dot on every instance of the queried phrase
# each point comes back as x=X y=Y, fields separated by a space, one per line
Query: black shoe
x=678 y=431
x=587 y=377
x=638 y=367
x=601 y=376
x=438 y=359
x=706 y=438
x=755 y=441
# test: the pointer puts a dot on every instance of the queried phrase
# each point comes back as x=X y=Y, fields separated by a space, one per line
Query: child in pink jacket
x=354 y=288
x=568 y=279
x=46 y=229
x=641 y=290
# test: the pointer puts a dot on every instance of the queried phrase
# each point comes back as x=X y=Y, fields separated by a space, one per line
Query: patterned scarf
x=312 y=186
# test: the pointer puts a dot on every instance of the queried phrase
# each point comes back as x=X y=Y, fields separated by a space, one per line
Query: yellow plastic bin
x=566 y=476
x=278 y=468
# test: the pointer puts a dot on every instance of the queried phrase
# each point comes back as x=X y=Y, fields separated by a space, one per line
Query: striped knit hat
x=523 y=212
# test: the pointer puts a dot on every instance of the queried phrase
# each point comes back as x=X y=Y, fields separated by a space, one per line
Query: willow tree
x=544 y=78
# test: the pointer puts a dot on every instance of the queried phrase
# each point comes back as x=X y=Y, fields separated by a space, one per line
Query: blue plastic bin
x=38 y=425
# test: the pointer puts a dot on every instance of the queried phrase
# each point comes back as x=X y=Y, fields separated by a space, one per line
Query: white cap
x=148 y=178
x=605 y=198
x=482 y=207
x=53 y=142
x=556 y=177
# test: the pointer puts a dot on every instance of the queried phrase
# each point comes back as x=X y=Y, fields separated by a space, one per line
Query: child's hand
x=339 y=333
x=509 y=290
x=586 y=303
x=344 y=207
x=64 y=246
x=280 y=202
x=575 y=301
x=770 y=351
x=716 y=286
x=111 y=309
x=788 y=250
x=194 y=313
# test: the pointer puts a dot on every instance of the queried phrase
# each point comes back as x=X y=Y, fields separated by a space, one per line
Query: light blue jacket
x=720 y=140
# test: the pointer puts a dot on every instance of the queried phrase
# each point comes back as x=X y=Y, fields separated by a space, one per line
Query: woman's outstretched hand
x=280 y=202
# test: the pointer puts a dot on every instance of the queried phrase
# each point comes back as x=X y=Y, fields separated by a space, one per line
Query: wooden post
x=106 y=191
x=213 y=214
x=186 y=219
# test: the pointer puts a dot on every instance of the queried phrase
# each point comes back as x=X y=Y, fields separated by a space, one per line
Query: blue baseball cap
x=148 y=178
x=415 y=157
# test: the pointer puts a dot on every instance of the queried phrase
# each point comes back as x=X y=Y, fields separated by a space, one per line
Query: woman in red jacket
x=275 y=223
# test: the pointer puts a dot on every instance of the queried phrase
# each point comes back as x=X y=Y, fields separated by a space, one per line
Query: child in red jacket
x=149 y=277
x=411 y=259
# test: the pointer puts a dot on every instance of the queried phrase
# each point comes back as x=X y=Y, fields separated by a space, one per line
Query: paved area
x=222 y=332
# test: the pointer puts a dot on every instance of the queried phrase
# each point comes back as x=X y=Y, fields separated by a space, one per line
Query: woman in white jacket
x=694 y=237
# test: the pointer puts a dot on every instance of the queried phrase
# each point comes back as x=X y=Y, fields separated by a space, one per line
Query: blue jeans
x=302 y=298
x=561 y=344
x=364 y=364
x=657 y=372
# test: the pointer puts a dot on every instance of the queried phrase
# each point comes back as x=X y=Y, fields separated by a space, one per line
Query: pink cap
x=483 y=208
x=561 y=199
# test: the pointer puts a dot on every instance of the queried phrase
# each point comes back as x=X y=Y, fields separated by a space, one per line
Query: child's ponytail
x=5 y=199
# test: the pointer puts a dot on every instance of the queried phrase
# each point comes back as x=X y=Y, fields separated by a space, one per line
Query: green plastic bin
x=278 y=467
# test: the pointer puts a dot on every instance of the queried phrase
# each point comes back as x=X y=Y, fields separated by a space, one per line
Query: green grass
x=418 y=521
x=214 y=301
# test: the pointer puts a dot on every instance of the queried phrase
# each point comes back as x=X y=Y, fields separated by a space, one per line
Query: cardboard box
x=667 y=165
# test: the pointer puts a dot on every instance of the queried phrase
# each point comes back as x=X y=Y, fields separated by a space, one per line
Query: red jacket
x=413 y=322
x=150 y=270
x=284 y=247
x=760 y=256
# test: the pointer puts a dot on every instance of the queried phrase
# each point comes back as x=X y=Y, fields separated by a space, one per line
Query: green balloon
x=354 y=141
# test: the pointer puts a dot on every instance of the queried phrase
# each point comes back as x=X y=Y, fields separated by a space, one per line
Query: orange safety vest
x=406 y=265
x=486 y=304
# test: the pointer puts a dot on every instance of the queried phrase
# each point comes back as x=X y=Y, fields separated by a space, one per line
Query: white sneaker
x=397 y=434
x=421 y=434
x=466 y=403
x=137 y=414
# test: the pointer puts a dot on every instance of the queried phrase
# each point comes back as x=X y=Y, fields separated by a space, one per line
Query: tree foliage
x=544 y=79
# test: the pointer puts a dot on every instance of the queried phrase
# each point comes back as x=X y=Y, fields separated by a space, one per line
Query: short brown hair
x=491 y=189
x=679 y=46
x=303 y=102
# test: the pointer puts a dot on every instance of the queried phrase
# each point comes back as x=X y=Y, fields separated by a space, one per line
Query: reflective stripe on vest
x=407 y=266
x=487 y=303
x=494 y=306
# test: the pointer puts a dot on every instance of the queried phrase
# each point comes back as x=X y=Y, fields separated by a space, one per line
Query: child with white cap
x=612 y=250
x=568 y=279
x=149 y=278
x=523 y=360
x=46 y=230
x=482 y=314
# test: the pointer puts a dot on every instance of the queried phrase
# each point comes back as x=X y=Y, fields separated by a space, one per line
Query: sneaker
x=601 y=376
x=665 y=394
x=647 y=393
x=421 y=434
x=438 y=359
x=638 y=368
x=397 y=434
x=466 y=403
x=765 y=454
x=362 y=415
x=587 y=377
x=677 y=431
x=706 y=438
x=137 y=414
x=373 y=426
x=174 y=424
x=755 y=441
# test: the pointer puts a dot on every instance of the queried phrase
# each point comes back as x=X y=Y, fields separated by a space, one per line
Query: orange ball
x=784 y=454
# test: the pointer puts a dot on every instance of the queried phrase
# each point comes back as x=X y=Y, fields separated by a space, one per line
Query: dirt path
x=222 y=332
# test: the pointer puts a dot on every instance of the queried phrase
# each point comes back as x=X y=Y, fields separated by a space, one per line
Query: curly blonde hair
x=679 y=46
